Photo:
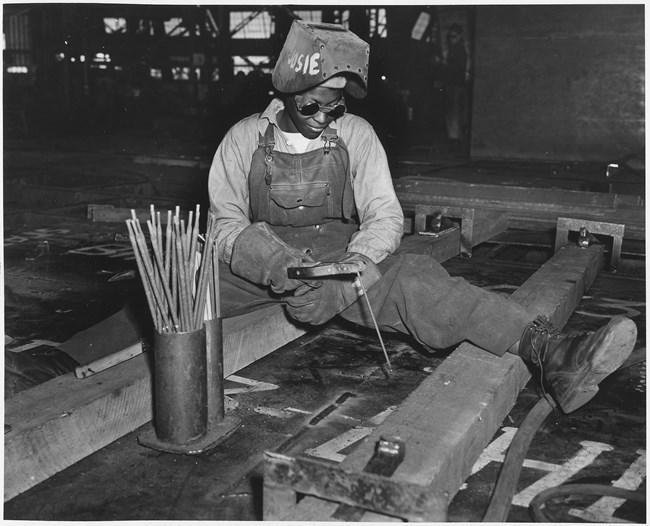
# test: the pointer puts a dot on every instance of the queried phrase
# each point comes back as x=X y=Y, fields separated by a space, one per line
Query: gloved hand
x=260 y=256
x=318 y=305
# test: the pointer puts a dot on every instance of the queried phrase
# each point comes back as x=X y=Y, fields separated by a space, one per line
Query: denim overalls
x=307 y=199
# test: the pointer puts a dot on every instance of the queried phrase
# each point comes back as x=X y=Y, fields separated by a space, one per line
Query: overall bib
x=307 y=199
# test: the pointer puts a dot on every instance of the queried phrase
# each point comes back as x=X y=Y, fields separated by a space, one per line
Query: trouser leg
x=416 y=296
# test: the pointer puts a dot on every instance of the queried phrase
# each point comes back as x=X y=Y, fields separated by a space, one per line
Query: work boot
x=572 y=366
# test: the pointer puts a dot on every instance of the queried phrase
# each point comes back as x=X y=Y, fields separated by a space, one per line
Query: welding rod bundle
x=180 y=272
x=180 y=277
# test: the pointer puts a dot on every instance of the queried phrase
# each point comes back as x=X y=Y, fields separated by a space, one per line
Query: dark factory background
x=542 y=82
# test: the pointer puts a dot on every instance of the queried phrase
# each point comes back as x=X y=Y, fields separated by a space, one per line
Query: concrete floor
x=57 y=269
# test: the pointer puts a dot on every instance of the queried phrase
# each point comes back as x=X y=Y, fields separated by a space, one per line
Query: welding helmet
x=322 y=54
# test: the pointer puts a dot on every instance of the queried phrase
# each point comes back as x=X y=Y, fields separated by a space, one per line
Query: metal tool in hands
x=320 y=270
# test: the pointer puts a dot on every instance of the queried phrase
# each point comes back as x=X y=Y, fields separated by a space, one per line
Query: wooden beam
x=169 y=161
x=445 y=425
x=526 y=204
x=519 y=194
x=101 y=213
x=483 y=226
x=56 y=424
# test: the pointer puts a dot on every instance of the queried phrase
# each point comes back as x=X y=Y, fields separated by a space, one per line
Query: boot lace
x=541 y=326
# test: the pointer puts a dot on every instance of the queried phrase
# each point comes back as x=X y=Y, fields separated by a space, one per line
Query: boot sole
x=615 y=345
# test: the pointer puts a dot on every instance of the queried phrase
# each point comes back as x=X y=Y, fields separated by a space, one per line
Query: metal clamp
x=587 y=228
x=286 y=477
x=466 y=216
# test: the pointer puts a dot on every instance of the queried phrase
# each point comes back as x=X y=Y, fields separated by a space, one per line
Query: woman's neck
x=285 y=123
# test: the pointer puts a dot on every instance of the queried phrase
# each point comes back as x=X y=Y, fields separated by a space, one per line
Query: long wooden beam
x=542 y=205
x=450 y=418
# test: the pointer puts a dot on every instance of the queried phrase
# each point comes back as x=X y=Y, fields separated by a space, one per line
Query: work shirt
x=380 y=214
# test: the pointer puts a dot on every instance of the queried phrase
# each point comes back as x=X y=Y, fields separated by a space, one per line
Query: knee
x=414 y=265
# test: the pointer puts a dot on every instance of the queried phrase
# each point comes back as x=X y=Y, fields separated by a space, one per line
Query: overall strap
x=330 y=137
x=267 y=142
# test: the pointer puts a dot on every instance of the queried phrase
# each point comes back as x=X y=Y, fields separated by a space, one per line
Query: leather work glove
x=260 y=256
x=318 y=305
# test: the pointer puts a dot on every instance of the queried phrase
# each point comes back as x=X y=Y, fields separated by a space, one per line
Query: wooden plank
x=168 y=161
x=99 y=213
x=58 y=423
x=446 y=425
x=101 y=364
x=122 y=328
x=520 y=194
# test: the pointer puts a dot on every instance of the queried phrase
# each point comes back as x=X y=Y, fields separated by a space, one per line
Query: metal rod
x=183 y=297
x=372 y=315
x=156 y=286
x=145 y=282
x=148 y=276
x=163 y=278
x=206 y=259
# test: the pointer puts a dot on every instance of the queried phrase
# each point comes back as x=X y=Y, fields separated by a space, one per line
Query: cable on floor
x=538 y=502
x=506 y=485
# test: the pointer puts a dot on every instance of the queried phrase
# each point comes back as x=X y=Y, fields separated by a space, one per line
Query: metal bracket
x=286 y=477
x=466 y=216
x=389 y=454
x=616 y=231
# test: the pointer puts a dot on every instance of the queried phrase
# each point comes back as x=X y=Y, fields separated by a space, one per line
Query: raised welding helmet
x=322 y=54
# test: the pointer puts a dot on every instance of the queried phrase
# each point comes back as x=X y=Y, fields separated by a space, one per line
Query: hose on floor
x=538 y=502
x=506 y=485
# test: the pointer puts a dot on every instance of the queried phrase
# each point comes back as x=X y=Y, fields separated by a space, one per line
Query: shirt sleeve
x=380 y=213
x=228 y=184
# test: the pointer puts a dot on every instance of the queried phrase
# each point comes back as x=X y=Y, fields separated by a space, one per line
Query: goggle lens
x=313 y=108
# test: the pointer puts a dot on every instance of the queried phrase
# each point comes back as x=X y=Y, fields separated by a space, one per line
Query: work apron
x=307 y=200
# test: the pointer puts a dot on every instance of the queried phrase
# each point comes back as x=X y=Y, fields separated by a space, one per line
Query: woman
x=306 y=182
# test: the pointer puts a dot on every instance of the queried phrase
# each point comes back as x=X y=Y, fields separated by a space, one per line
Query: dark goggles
x=312 y=108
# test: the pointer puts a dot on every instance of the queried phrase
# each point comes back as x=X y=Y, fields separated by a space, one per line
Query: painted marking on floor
x=610 y=306
x=301 y=411
x=32 y=344
x=110 y=250
x=496 y=450
x=330 y=449
x=603 y=509
x=271 y=411
x=251 y=385
x=39 y=233
x=380 y=417
x=584 y=457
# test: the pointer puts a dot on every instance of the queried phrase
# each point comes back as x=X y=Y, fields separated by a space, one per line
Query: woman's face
x=311 y=126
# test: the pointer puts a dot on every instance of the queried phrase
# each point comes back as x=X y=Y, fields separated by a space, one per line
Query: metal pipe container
x=180 y=386
x=214 y=344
